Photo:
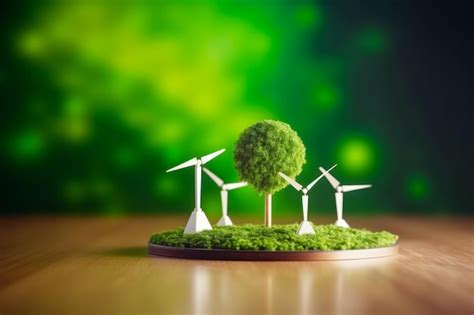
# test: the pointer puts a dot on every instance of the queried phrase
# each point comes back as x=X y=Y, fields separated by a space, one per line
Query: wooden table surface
x=100 y=266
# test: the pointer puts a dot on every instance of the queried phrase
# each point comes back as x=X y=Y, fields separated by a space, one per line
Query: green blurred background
x=99 y=98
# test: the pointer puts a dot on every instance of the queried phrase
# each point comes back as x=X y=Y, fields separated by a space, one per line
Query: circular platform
x=262 y=255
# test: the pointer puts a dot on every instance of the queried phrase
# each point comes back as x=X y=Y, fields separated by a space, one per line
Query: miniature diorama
x=268 y=156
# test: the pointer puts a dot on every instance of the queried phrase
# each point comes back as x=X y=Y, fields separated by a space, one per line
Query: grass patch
x=276 y=238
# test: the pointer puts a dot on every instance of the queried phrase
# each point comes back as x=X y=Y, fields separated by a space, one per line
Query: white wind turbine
x=197 y=221
x=305 y=226
x=225 y=220
x=340 y=189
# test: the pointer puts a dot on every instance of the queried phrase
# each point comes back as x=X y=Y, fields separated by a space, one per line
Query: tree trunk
x=268 y=210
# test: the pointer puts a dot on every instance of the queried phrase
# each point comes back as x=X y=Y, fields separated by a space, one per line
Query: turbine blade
x=207 y=158
x=347 y=188
x=189 y=163
x=334 y=182
x=319 y=177
x=291 y=181
x=235 y=185
x=219 y=182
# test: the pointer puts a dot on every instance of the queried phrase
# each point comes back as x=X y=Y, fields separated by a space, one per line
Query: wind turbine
x=305 y=226
x=197 y=221
x=340 y=189
x=225 y=220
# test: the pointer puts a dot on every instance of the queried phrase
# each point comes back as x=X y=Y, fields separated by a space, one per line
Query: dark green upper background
x=100 y=98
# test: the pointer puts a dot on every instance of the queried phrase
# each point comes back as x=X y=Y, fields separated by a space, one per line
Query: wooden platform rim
x=266 y=255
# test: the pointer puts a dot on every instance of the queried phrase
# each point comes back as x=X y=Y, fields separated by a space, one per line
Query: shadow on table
x=131 y=251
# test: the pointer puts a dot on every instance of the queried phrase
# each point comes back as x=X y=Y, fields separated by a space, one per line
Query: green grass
x=276 y=238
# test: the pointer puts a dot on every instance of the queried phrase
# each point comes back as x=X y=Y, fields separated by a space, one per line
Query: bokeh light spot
x=31 y=44
x=372 y=40
x=75 y=131
x=28 y=145
x=74 y=107
x=73 y=123
x=166 y=186
x=73 y=191
x=309 y=16
x=101 y=187
x=125 y=157
x=356 y=155
x=418 y=187
x=326 y=97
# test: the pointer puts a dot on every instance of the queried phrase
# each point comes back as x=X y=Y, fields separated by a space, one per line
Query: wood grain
x=60 y=265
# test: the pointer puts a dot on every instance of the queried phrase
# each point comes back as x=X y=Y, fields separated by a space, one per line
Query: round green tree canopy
x=266 y=148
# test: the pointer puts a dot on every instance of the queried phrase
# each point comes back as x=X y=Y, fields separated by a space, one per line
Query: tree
x=263 y=150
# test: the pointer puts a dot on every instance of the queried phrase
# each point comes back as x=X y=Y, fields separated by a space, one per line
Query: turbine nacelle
x=341 y=188
x=219 y=182
x=233 y=186
x=197 y=161
x=300 y=187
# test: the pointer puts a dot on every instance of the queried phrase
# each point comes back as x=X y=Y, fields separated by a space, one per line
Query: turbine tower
x=225 y=220
x=305 y=226
x=197 y=221
x=340 y=189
